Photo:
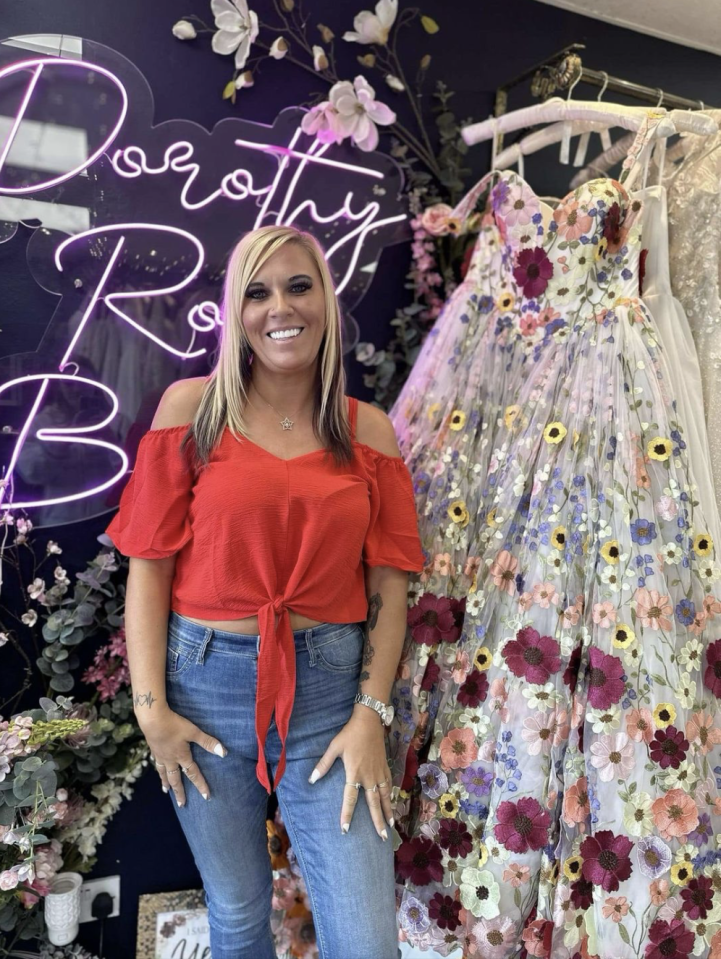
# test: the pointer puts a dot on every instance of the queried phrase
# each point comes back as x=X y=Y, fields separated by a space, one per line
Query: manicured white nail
x=220 y=750
x=204 y=795
x=165 y=789
x=384 y=835
x=391 y=822
x=180 y=803
x=345 y=827
x=314 y=776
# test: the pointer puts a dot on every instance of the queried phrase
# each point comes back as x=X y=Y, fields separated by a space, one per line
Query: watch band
x=376 y=704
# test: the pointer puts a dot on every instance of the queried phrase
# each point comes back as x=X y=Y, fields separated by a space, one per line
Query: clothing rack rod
x=640 y=92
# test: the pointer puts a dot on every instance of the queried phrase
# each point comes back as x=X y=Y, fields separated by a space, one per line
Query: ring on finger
x=378 y=785
x=356 y=785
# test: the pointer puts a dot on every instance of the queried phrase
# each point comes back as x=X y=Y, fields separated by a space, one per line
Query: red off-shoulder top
x=256 y=534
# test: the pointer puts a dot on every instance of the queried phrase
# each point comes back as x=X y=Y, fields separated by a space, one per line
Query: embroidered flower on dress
x=445 y=911
x=523 y=825
x=554 y=433
x=668 y=747
x=532 y=272
x=480 y=893
x=654 y=857
x=532 y=656
x=613 y=756
x=698 y=897
x=432 y=620
x=419 y=859
x=503 y=570
x=572 y=221
x=605 y=686
x=606 y=860
x=669 y=939
x=675 y=814
x=659 y=448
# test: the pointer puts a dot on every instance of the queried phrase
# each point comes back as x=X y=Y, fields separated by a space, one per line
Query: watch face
x=388 y=717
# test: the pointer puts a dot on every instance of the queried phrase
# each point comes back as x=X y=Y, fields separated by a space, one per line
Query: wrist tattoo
x=374 y=606
x=144 y=699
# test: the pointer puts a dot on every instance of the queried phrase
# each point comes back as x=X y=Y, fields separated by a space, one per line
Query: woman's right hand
x=169 y=736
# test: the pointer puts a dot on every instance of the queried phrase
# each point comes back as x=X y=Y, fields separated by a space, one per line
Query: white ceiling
x=695 y=23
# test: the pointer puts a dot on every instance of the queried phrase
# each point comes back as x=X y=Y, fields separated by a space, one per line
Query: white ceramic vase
x=62 y=908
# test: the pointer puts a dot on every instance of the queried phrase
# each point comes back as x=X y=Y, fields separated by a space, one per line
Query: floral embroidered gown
x=557 y=743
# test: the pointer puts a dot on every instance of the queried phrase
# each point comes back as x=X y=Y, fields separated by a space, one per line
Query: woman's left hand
x=362 y=747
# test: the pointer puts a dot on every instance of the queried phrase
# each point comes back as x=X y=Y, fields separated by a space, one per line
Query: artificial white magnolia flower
x=351 y=112
x=319 y=122
x=244 y=79
x=394 y=83
x=184 y=30
x=320 y=60
x=374 y=27
x=237 y=29
x=358 y=112
x=279 y=49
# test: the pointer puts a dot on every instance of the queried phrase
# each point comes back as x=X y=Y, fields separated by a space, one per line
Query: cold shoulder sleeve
x=392 y=538
x=152 y=520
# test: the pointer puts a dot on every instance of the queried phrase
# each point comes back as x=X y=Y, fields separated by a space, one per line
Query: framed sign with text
x=173 y=925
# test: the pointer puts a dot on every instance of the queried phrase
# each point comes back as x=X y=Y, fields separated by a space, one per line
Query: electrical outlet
x=90 y=889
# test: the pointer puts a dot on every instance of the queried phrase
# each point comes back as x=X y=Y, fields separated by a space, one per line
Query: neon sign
x=238 y=185
x=38 y=66
x=195 y=192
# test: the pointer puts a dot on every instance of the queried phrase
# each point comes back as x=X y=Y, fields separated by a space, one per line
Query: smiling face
x=285 y=294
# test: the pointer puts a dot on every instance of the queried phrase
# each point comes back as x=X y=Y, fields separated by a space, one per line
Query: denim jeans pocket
x=179 y=656
x=342 y=652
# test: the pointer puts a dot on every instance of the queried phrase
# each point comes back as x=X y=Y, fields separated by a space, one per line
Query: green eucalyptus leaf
x=62 y=684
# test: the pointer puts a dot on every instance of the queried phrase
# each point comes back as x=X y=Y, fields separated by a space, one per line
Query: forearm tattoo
x=375 y=604
x=144 y=699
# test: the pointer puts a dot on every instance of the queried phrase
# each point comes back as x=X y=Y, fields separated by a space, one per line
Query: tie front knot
x=279 y=604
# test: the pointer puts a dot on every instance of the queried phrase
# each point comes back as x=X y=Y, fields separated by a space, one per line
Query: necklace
x=286 y=423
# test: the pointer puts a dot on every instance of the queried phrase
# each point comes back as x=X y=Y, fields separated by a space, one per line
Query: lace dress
x=695 y=243
x=685 y=386
x=565 y=798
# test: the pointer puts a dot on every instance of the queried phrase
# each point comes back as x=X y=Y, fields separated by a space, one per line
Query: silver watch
x=385 y=712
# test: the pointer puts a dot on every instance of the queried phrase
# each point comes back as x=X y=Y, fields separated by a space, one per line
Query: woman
x=271 y=523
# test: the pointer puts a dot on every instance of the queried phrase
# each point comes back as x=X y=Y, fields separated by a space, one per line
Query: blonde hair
x=226 y=389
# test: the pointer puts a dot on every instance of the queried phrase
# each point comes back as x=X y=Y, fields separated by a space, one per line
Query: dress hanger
x=604 y=161
x=556 y=132
x=678 y=152
x=684 y=121
x=556 y=109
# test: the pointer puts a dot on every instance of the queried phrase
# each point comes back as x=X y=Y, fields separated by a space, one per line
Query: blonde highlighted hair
x=226 y=389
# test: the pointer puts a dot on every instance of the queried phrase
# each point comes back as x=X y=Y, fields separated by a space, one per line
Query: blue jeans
x=211 y=680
